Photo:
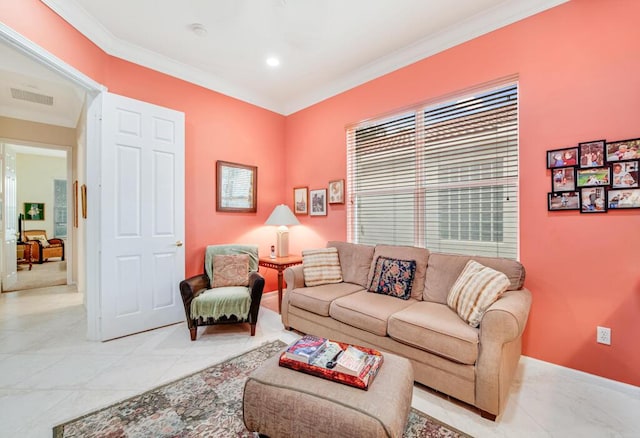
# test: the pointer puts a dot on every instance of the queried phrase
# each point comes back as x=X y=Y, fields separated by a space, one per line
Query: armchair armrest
x=56 y=241
x=191 y=288
x=256 y=286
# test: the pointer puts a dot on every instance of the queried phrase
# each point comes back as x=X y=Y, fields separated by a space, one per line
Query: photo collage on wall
x=595 y=176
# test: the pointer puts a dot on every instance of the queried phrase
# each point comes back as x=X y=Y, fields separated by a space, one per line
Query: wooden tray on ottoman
x=362 y=382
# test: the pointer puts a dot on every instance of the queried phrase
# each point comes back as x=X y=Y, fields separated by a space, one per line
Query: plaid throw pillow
x=393 y=277
x=321 y=266
x=477 y=288
x=230 y=270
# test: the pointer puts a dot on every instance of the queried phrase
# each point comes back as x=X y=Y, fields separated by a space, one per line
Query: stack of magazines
x=348 y=364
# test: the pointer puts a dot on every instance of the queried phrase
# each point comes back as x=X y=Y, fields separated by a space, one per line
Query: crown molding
x=492 y=19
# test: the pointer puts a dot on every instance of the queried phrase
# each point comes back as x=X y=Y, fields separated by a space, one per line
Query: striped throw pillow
x=321 y=266
x=477 y=288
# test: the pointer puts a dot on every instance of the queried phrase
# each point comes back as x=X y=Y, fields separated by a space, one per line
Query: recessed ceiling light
x=198 y=29
x=272 y=61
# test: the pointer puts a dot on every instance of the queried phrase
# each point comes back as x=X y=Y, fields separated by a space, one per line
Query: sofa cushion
x=321 y=266
x=317 y=299
x=435 y=328
x=355 y=261
x=420 y=255
x=444 y=269
x=367 y=311
x=393 y=277
x=230 y=270
x=475 y=290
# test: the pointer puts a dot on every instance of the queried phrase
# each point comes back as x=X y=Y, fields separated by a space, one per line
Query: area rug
x=205 y=404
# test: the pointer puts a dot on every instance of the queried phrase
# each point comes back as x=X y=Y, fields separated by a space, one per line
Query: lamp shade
x=282 y=215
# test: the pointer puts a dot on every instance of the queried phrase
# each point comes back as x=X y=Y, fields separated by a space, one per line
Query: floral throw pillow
x=230 y=270
x=393 y=277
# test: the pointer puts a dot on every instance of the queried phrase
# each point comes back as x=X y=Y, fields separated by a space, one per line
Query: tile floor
x=50 y=374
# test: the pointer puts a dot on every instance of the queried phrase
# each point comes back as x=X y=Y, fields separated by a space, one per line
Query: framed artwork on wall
x=237 y=187
x=563 y=179
x=593 y=177
x=318 y=201
x=33 y=211
x=562 y=157
x=336 y=192
x=623 y=198
x=592 y=200
x=623 y=150
x=563 y=201
x=592 y=153
x=624 y=174
x=301 y=200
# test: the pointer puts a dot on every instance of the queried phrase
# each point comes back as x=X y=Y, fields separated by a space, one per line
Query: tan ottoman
x=279 y=402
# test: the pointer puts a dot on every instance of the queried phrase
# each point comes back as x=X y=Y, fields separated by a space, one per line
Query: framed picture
x=563 y=201
x=562 y=157
x=624 y=174
x=301 y=200
x=336 y=192
x=592 y=153
x=33 y=211
x=592 y=200
x=595 y=176
x=623 y=150
x=237 y=186
x=318 y=202
x=563 y=179
x=623 y=198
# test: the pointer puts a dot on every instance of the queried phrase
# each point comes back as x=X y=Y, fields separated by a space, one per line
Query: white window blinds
x=444 y=177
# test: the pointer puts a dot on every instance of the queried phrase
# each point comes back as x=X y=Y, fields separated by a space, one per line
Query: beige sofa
x=475 y=365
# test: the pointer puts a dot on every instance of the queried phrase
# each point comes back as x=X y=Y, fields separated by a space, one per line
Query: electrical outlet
x=603 y=335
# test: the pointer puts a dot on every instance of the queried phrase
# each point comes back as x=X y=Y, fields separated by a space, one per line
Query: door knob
x=179 y=243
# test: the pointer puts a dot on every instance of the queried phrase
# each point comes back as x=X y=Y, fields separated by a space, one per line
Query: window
x=443 y=176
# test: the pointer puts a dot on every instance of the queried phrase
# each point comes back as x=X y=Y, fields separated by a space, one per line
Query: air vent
x=31 y=97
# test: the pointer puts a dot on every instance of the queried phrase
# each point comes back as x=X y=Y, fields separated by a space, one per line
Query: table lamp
x=281 y=217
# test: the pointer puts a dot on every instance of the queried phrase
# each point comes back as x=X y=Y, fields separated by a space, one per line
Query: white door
x=9 y=266
x=142 y=216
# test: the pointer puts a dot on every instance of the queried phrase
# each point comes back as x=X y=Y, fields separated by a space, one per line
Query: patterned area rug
x=205 y=404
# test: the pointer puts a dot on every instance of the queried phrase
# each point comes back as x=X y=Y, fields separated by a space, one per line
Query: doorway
x=42 y=202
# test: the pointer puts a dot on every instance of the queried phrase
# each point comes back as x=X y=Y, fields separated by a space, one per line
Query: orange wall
x=579 y=81
x=217 y=128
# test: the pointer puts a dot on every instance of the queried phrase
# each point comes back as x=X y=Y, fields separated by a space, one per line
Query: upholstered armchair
x=229 y=290
x=42 y=248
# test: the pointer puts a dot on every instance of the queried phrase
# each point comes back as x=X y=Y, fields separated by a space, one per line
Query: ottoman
x=279 y=402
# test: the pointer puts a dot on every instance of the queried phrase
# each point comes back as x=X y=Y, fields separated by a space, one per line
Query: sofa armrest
x=294 y=276
x=501 y=331
x=505 y=320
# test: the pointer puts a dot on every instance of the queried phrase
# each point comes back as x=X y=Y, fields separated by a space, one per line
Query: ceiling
x=325 y=47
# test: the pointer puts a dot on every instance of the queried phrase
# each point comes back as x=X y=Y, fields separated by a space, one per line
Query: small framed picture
x=33 y=211
x=563 y=201
x=592 y=200
x=318 y=202
x=623 y=198
x=592 y=153
x=624 y=174
x=336 y=192
x=563 y=179
x=301 y=200
x=623 y=150
x=562 y=157
x=595 y=176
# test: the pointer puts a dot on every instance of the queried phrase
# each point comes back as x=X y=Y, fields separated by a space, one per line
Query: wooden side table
x=26 y=254
x=280 y=264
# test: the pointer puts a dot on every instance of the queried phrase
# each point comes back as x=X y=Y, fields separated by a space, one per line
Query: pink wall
x=578 y=76
x=217 y=128
x=579 y=81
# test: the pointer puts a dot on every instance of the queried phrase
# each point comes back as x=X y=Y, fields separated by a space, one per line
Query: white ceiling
x=325 y=46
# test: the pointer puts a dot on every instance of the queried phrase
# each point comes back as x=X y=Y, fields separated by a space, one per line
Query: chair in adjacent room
x=229 y=290
x=43 y=248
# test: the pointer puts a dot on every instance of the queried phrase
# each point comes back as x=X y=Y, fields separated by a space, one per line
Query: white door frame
x=92 y=224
